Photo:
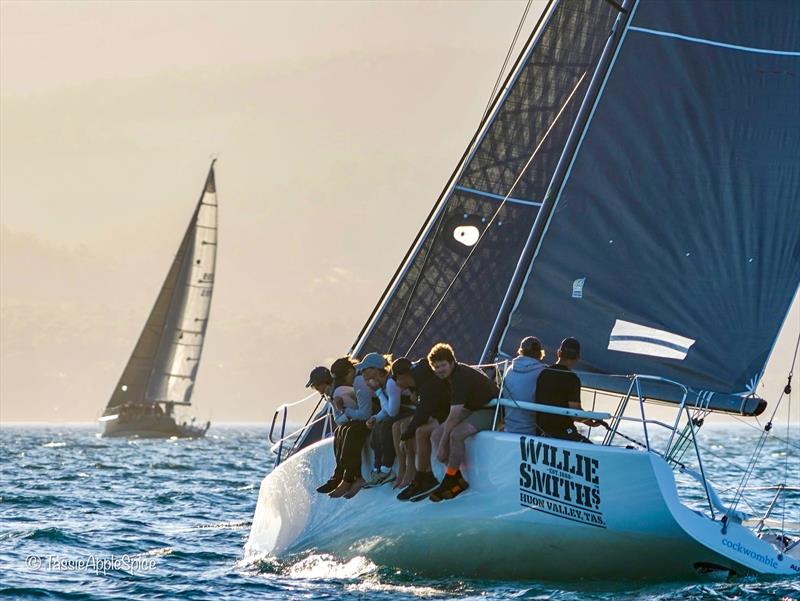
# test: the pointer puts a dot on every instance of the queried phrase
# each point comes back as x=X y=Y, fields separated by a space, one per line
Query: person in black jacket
x=433 y=404
x=559 y=386
x=470 y=391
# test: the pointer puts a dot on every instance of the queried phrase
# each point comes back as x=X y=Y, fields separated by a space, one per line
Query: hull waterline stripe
x=687 y=38
x=499 y=196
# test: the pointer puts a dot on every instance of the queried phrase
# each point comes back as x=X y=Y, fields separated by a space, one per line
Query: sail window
x=124 y=388
x=628 y=337
x=467 y=235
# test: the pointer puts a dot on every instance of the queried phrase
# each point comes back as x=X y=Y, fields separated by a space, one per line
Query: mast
x=601 y=73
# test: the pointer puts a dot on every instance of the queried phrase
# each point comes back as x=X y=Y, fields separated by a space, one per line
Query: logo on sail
x=629 y=337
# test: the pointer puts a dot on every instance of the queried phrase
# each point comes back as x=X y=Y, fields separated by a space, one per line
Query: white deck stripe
x=687 y=38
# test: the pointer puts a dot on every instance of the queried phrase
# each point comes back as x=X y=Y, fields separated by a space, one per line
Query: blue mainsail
x=673 y=246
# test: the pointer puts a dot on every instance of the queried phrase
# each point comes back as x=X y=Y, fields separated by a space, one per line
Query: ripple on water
x=187 y=505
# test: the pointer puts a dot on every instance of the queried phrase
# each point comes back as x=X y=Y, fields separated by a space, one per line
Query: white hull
x=629 y=523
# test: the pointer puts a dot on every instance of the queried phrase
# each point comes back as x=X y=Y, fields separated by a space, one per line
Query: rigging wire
x=505 y=62
x=769 y=434
x=786 y=453
x=475 y=140
x=765 y=432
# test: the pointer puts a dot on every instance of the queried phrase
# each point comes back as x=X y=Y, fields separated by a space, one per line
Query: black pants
x=382 y=443
x=348 y=442
x=338 y=437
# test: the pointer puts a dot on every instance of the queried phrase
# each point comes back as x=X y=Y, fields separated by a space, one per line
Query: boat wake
x=357 y=575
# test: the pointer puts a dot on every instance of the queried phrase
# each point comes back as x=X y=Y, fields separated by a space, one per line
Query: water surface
x=145 y=519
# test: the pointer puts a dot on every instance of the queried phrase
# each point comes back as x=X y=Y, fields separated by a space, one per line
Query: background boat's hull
x=151 y=427
x=619 y=518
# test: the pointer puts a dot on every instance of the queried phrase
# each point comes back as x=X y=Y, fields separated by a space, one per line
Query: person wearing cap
x=321 y=380
x=416 y=478
x=519 y=384
x=470 y=391
x=336 y=387
x=559 y=386
x=377 y=376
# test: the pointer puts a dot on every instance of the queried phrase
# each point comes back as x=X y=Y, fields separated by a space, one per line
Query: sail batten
x=157 y=370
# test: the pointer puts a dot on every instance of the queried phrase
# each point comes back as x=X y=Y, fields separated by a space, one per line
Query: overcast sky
x=335 y=124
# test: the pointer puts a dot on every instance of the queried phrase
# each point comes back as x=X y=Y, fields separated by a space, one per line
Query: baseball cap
x=401 y=366
x=530 y=346
x=372 y=360
x=319 y=375
x=570 y=348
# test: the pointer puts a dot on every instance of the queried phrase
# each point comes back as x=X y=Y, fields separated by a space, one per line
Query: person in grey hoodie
x=519 y=384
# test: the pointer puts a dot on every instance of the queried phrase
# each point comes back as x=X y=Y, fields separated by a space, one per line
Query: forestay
x=673 y=247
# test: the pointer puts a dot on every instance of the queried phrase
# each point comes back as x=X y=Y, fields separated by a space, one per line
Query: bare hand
x=371 y=423
x=403 y=447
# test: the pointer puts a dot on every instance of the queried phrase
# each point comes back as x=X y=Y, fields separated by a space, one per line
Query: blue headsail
x=672 y=247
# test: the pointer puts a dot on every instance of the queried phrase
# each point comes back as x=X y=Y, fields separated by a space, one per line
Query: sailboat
x=635 y=183
x=161 y=371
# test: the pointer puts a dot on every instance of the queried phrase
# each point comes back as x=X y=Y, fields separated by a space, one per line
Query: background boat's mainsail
x=164 y=363
x=673 y=247
x=427 y=302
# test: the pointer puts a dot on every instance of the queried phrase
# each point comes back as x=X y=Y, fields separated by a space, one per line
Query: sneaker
x=422 y=485
x=378 y=478
x=407 y=492
x=375 y=478
x=450 y=488
x=428 y=483
x=329 y=486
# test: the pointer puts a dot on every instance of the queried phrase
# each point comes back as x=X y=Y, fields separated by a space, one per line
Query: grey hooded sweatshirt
x=520 y=385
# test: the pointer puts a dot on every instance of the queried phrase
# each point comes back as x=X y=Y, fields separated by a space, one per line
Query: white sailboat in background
x=634 y=184
x=161 y=371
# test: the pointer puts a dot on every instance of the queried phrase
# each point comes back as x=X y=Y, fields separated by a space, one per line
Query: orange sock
x=451 y=471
